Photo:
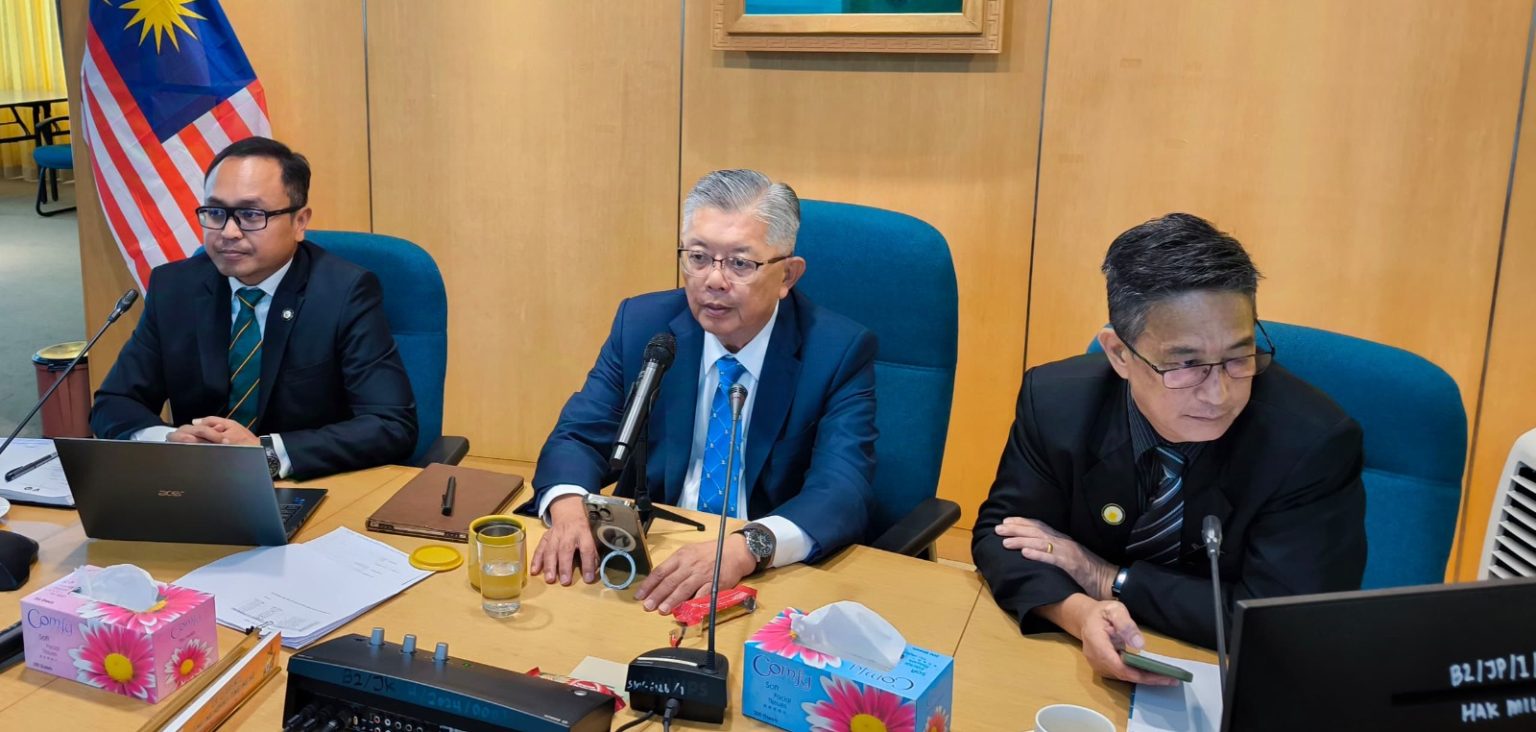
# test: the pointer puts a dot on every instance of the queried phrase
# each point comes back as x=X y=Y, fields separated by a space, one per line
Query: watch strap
x=274 y=463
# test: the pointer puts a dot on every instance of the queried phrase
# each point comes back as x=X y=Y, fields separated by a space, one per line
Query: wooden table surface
x=1002 y=678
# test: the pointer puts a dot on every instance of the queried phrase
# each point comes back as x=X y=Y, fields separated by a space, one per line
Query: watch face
x=759 y=542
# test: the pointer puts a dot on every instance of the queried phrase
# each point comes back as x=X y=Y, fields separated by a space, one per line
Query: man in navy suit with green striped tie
x=263 y=338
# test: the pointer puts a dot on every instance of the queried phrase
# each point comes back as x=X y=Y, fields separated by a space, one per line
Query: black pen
x=29 y=467
x=448 y=496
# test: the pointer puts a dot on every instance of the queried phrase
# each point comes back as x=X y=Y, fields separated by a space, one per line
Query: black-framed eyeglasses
x=1195 y=374
x=698 y=263
x=248 y=219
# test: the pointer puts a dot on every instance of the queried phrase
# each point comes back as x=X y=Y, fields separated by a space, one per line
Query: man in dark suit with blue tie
x=263 y=338
x=807 y=454
x=1114 y=460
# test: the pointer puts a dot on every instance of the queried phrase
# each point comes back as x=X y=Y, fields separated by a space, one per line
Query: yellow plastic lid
x=436 y=558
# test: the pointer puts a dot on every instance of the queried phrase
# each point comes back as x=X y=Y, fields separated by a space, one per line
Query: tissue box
x=795 y=688
x=144 y=655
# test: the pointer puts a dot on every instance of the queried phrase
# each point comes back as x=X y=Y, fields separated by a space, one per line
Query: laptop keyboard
x=288 y=511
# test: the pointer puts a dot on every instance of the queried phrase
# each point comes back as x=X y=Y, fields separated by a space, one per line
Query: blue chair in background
x=1415 y=444
x=893 y=274
x=416 y=305
x=51 y=156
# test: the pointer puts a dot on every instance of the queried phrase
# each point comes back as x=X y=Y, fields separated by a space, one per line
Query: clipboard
x=416 y=509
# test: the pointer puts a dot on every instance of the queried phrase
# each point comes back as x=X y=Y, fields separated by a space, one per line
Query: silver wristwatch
x=274 y=465
x=1119 y=583
x=761 y=543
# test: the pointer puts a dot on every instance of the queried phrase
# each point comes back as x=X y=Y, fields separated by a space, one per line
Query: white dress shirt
x=791 y=542
x=269 y=286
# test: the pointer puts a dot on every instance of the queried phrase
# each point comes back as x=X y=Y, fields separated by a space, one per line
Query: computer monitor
x=1434 y=657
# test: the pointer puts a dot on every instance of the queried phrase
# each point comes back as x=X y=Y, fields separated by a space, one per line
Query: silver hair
x=732 y=191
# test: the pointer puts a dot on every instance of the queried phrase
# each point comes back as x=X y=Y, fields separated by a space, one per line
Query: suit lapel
x=213 y=342
x=775 y=390
x=1112 y=482
x=678 y=401
x=281 y=317
x=1204 y=493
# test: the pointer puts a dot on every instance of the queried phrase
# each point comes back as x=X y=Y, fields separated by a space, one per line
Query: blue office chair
x=1415 y=444
x=893 y=274
x=51 y=156
x=417 y=308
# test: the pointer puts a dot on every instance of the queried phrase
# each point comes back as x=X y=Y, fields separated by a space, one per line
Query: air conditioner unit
x=1510 y=550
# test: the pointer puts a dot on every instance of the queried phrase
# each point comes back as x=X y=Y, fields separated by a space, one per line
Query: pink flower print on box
x=116 y=659
x=174 y=602
x=186 y=662
x=850 y=708
x=938 y=721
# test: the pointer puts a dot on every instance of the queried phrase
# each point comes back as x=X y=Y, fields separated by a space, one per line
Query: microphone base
x=683 y=674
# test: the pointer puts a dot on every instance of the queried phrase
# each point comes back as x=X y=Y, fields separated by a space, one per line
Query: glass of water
x=503 y=568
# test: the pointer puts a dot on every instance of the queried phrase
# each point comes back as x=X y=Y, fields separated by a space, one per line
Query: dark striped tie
x=1155 y=537
x=245 y=359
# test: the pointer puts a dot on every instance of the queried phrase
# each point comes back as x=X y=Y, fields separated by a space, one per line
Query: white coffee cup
x=1071 y=718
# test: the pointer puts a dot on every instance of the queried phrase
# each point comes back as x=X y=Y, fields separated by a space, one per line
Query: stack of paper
x=44 y=485
x=1191 y=707
x=304 y=591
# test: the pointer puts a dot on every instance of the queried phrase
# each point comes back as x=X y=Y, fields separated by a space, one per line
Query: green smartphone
x=1157 y=667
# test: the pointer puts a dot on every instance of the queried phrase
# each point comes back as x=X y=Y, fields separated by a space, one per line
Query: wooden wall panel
x=309 y=57
x=1360 y=150
x=950 y=140
x=532 y=148
x=1508 y=407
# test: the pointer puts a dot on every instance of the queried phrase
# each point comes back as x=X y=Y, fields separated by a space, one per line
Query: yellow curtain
x=31 y=60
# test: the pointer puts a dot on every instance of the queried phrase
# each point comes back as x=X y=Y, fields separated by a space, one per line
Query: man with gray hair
x=806 y=450
x=1115 y=460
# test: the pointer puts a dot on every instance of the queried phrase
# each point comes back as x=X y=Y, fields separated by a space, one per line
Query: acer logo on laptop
x=171 y=494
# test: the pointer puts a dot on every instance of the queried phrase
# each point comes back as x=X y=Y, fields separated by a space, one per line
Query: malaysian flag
x=166 y=86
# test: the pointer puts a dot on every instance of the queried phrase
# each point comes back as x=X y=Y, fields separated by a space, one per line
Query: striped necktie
x=1156 y=535
x=245 y=359
x=713 y=486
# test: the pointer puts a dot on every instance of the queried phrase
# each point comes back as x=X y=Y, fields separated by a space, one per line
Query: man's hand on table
x=569 y=535
x=1037 y=541
x=1105 y=628
x=688 y=572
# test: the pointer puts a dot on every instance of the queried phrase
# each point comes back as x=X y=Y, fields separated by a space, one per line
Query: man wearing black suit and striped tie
x=1093 y=523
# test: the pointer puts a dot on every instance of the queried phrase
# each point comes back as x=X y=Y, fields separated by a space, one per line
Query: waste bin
x=68 y=413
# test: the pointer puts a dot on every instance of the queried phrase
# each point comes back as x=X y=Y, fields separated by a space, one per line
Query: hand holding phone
x=1138 y=661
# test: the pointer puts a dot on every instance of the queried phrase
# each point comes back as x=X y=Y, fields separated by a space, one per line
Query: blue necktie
x=713 y=486
x=1155 y=537
x=245 y=359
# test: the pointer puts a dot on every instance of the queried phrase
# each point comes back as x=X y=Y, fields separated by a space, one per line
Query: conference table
x=1001 y=677
x=40 y=105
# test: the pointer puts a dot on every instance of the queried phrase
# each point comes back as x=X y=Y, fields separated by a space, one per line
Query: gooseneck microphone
x=123 y=304
x=659 y=352
x=1210 y=532
x=687 y=683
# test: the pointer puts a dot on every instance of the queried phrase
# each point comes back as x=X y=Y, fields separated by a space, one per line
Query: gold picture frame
x=977 y=28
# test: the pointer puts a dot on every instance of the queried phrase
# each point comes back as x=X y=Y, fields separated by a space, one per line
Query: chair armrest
x=918 y=530
x=448 y=450
x=46 y=131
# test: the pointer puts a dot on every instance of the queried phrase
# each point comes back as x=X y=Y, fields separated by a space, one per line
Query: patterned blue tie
x=1156 y=535
x=713 y=487
x=245 y=359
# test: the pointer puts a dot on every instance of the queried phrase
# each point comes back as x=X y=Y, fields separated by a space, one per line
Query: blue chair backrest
x=893 y=274
x=1415 y=444
x=416 y=305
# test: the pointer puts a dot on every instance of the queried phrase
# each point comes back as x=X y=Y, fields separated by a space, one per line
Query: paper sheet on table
x=1189 y=707
x=304 y=591
x=44 y=484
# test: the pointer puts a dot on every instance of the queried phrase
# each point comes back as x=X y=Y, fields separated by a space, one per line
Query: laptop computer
x=196 y=494
x=1433 y=657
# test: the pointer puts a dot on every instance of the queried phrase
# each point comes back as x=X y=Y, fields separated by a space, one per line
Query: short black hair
x=1167 y=257
x=295 y=166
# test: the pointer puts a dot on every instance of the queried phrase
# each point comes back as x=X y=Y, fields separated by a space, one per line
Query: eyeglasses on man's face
x=1195 y=374
x=698 y=263
x=248 y=219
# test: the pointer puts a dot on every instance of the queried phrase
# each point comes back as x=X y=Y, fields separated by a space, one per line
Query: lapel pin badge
x=287 y=313
x=1113 y=514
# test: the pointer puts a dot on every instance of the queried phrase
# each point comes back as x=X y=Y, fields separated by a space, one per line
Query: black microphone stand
x=117 y=313
x=632 y=478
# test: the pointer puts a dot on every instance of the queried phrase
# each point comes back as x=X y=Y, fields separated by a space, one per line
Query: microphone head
x=738 y=394
x=1210 y=531
x=123 y=303
x=661 y=348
